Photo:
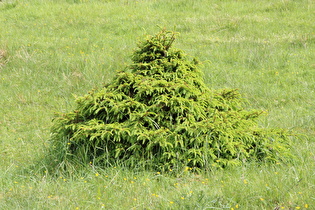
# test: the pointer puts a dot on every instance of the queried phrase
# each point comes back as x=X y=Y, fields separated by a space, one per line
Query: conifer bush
x=159 y=114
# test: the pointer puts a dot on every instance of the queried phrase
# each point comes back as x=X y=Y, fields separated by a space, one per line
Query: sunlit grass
x=53 y=50
x=117 y=188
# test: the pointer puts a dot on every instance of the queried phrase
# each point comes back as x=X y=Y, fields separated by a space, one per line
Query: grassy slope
x=54 y=50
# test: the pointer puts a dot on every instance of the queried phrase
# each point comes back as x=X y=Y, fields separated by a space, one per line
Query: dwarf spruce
x=159 y=114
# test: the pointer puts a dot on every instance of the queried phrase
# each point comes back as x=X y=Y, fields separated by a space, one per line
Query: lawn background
x=52 y=50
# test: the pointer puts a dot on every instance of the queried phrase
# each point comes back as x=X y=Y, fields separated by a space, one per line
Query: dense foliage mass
x=158 y=113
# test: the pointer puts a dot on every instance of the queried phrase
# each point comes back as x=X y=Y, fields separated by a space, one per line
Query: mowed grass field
x=53 y=50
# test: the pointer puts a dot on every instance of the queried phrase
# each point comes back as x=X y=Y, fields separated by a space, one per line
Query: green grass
x=52 y=50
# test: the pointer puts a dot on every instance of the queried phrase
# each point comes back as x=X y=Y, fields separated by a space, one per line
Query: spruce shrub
x=159 y=114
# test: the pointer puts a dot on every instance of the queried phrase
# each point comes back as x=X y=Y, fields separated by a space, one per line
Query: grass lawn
x=51 y=51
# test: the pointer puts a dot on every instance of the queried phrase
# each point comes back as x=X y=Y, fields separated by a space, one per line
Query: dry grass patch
x=3 y=57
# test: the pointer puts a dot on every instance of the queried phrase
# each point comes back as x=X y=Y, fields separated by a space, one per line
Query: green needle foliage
x=159 y=114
